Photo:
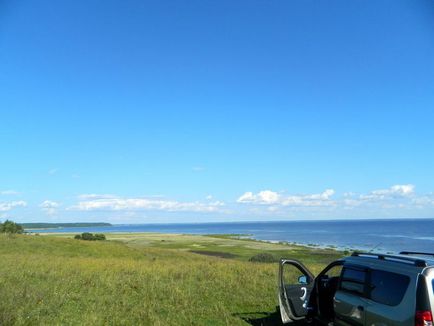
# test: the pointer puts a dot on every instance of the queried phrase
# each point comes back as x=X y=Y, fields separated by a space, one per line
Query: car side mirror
x=302 y=279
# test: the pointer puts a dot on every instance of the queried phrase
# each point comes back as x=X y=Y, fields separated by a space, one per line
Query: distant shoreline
x=379 y=235
x=50 y=226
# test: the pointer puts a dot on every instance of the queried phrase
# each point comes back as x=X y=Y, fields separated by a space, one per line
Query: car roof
x=417 y=260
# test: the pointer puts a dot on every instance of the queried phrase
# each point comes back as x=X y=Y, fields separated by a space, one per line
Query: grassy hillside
x=138 y=279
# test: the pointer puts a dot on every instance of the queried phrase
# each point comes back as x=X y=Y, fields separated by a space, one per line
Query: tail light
x=423 y=318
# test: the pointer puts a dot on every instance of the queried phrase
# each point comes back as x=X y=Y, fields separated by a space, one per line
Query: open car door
x=295 y=286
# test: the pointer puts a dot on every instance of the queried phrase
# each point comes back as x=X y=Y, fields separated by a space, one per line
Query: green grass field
x=141 y=279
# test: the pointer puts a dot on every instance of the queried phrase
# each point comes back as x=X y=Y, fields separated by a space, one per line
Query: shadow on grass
x=265 y=318
x=261 y=318
x=214 y=253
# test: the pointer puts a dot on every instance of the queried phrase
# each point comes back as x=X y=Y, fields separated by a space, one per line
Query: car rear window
x=388 y=288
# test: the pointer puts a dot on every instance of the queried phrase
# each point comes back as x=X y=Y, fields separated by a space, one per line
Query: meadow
x=142 y=279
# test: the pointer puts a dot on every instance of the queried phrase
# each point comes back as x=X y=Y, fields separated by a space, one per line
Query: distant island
x=61 y=225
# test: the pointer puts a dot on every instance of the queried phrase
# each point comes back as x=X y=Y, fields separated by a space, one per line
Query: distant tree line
x=10 y=227
x=90 y=237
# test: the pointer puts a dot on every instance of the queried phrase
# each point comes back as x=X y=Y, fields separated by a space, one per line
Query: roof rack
x=392 y=258
x=416 y=253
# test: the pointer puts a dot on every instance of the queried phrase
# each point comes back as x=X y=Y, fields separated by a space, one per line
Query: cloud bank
x=114 y=203
x=7 y=206
x=395 y=199
x=400 y=200
x=268 y=197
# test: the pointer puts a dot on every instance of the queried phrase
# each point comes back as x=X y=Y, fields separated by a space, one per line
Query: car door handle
x=360 y=308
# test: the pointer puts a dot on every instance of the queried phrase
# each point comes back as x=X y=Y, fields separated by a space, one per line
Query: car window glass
x=353 y=280
x=388 y=288
x=335 y=271
x=292 y=275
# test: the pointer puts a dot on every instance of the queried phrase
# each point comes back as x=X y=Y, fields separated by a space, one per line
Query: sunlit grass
x=59 y=280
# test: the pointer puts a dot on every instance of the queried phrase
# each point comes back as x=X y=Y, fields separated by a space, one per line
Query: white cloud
x=7 y=206
x=247 y=197
x=49 y=206
x=53 y=171
x=350 y=202
x=403 y=190
x=396 y=191
x=9 y=193
x=397 y=196
x=95 y=196
x=114 y=203
x=424 y=201
x=268 y=197
x=262 y=197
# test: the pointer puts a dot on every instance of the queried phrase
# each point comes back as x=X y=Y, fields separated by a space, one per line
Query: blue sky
x=195 y=111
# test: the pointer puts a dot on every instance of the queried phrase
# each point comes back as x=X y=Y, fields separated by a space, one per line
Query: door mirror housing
x=302 y=279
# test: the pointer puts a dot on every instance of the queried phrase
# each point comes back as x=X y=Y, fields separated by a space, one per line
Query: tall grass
x=61 y=281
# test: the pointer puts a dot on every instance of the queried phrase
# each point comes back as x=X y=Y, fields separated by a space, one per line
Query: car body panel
x=375 y=296
x=349 y=309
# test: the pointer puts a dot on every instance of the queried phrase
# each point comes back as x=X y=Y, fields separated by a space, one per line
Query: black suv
x=362 y=289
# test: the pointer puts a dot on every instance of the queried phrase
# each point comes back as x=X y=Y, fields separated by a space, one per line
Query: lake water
x=383 y=235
